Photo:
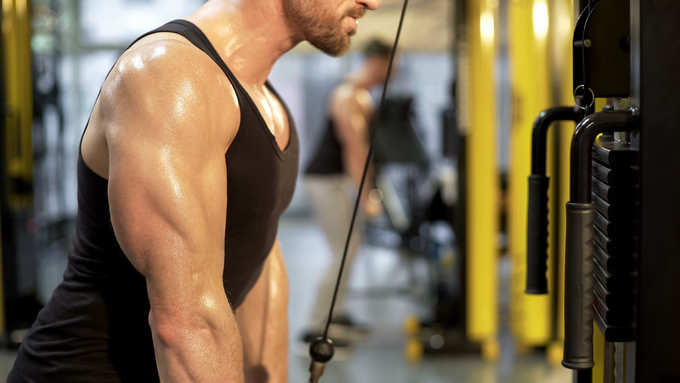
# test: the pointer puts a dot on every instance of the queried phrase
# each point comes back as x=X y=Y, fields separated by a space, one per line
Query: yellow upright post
x=529 y=24
x=16 y=37
x=482 y=184
x=3 y=330
x=18 y=150
x=598 y=355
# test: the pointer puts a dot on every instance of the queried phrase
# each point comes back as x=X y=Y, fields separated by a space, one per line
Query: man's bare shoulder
x=344 y=93
x=165 y=83
x=348 y=96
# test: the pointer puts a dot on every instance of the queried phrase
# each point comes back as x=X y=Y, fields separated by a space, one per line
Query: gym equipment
x=395 y=139
x=532 y=320
x=578 y=347
x=442 y=331
x=655 y=87
x=622 y=239
x=537 y=223
x=600 y=38
x=616 y=227
x=478 y=110
x=395 y=142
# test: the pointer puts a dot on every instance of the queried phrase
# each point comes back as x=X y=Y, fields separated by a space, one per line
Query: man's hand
x=373 y=204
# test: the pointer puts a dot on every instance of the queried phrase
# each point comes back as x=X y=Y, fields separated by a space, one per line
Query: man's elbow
x=176 y=329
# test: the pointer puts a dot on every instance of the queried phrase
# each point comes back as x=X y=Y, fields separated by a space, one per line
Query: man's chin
x=334 y=49
x=338 y=53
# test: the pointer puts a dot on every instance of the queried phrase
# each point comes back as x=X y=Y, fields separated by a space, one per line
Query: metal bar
x=537 y=222
x=578 y=348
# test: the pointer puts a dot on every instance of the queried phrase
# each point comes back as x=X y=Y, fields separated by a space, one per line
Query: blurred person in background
x=332 y=182
x=187 y=162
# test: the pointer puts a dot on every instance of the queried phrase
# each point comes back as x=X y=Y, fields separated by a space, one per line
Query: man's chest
x=273 y=113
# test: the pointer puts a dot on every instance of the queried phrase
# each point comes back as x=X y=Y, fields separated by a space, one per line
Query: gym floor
x=385 y=288
x=378 y=276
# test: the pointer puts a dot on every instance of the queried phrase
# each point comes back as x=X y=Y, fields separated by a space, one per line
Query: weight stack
x=616 y=237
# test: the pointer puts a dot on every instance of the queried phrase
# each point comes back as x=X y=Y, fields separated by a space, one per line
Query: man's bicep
x=167 y=197
x=154 y=209
x=167 y=220
x=349 y=120
x=167 y=175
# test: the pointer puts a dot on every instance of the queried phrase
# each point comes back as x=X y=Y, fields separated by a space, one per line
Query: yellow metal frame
x=3 y=330
x=598 y=355
x=531 y=315
x=482 y=183
x=16 y=37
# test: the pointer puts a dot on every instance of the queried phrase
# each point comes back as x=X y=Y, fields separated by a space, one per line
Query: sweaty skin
x=352 y=109
x=159 y=133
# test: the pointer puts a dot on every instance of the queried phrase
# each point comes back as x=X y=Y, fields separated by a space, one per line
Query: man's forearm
x=263 y=320
x=206 y=350
x=355 y=159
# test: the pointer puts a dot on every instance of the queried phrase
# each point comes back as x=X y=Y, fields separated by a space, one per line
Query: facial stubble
x=320 y=27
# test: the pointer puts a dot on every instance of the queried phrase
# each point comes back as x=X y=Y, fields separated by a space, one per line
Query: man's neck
x=249 y=35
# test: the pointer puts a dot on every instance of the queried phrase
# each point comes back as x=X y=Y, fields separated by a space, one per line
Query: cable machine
x=621 y=224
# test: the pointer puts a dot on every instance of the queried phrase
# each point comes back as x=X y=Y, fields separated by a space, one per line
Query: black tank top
x=95 y=327
x=327 y=159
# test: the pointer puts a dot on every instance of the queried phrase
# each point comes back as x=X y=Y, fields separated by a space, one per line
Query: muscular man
x=187 y=162
x=333 y=177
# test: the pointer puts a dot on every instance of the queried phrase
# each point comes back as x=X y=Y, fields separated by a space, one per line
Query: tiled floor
x=380 y=357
